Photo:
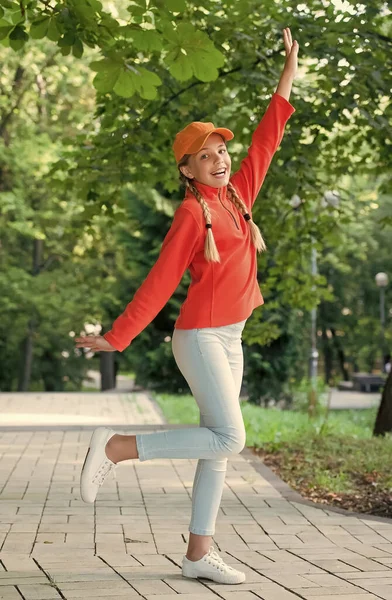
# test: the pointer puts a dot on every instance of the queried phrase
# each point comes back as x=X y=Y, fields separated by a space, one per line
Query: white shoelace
x=103 y=471
x=221 y=565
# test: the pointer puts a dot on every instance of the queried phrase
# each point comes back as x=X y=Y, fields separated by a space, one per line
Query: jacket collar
x=209 y=192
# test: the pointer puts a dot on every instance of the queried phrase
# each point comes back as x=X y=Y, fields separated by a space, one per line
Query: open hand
x=97 y=343
x=291 y=48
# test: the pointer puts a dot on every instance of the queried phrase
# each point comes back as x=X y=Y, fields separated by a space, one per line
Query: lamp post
x=382 y=282
x=330 y=198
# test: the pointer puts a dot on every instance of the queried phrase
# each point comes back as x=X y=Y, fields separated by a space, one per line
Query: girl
x=213 y=235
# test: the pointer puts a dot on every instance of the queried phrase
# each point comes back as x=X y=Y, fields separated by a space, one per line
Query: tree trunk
x=107 y=371
x=51 y=372
x=341 y=357
x=26 y=360
x=27 y=346
x=383 y=422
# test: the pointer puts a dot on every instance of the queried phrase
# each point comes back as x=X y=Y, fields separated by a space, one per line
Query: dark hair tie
x=247 y=216
x=209 y=226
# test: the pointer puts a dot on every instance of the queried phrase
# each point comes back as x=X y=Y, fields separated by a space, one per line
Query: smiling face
x=212 y=158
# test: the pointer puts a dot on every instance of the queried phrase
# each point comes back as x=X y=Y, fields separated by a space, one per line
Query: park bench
x=367 y=382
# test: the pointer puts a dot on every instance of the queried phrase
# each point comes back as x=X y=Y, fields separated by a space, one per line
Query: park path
x=340 y=399
x=129 y=544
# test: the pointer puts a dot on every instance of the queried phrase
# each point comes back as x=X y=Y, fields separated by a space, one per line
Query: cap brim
x=200 y=141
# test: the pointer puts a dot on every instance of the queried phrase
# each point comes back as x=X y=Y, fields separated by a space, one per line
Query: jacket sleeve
x=177 y=251
x=265 y=141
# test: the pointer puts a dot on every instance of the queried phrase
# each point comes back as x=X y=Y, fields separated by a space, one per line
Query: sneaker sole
x=211 y=579
x=96 y=433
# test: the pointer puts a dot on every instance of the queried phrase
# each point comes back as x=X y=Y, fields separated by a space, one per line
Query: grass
x=274 y=426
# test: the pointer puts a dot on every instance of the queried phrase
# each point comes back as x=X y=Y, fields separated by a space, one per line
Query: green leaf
x=17 y=17
x=104 y=81
x=68 y=39
x=191 y=52
x=176 y=5
x=181 y=67
x=136 y=11
x=145 y=40
x=39 y=29
x=108 y=64
x=146 y=83
x=18 y=37
x=77 y=48
x=95 y=5
x=18 y=34
x=124 y=80
x=4 y=31
x=54 y=32
x=203 y=67
x=124 y=85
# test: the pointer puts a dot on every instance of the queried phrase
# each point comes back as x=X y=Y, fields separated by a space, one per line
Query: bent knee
x=234 y=444
x=238 y=446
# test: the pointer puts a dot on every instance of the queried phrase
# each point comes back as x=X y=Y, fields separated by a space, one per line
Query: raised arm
x=177 y=251
x=269 y=133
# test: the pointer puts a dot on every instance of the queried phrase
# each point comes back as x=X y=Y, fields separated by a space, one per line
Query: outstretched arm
x=177 y=251
x=269 y=133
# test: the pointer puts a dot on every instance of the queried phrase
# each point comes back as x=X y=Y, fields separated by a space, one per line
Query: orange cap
x=193 y=137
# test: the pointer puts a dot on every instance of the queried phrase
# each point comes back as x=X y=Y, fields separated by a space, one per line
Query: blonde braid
x=255 y=232
x=210 y=250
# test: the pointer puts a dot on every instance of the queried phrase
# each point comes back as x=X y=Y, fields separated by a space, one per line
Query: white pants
x=211 y=360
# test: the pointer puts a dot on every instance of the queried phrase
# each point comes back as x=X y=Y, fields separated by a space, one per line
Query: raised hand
x=97 y=343
x=291 y=48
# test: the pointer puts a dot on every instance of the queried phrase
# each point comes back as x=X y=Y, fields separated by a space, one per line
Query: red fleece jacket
x=219 y=293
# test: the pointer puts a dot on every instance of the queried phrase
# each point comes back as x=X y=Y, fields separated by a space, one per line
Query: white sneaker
x=211 y=566
x=97 y=465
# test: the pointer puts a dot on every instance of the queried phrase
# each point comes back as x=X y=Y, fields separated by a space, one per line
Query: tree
x=340 y=125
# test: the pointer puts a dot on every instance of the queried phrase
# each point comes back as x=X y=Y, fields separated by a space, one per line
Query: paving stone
x=334 y=566
x=364 y=564
x=4 y=575
x=342 y=597
x=386 y=575
x=238 y=595
x=16 y=580
x=91 y=575
x=280 y=594
x=183 y=585
x=333 y=592
x=369 y=584
x=93 y=592
x=39 y=592
x=290 y=580
x=152 y=560
x=9 y=593
x=148 y=586
x=182 y=597
x=326 y=580
x=381 y=591
x=135 y=573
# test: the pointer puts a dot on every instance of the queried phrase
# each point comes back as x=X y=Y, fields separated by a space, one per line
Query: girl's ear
x=185 y=170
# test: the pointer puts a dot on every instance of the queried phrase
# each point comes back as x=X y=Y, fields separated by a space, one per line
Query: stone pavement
x=129 y=544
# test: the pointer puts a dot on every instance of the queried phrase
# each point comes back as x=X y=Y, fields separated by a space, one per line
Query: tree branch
x=196 y=83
